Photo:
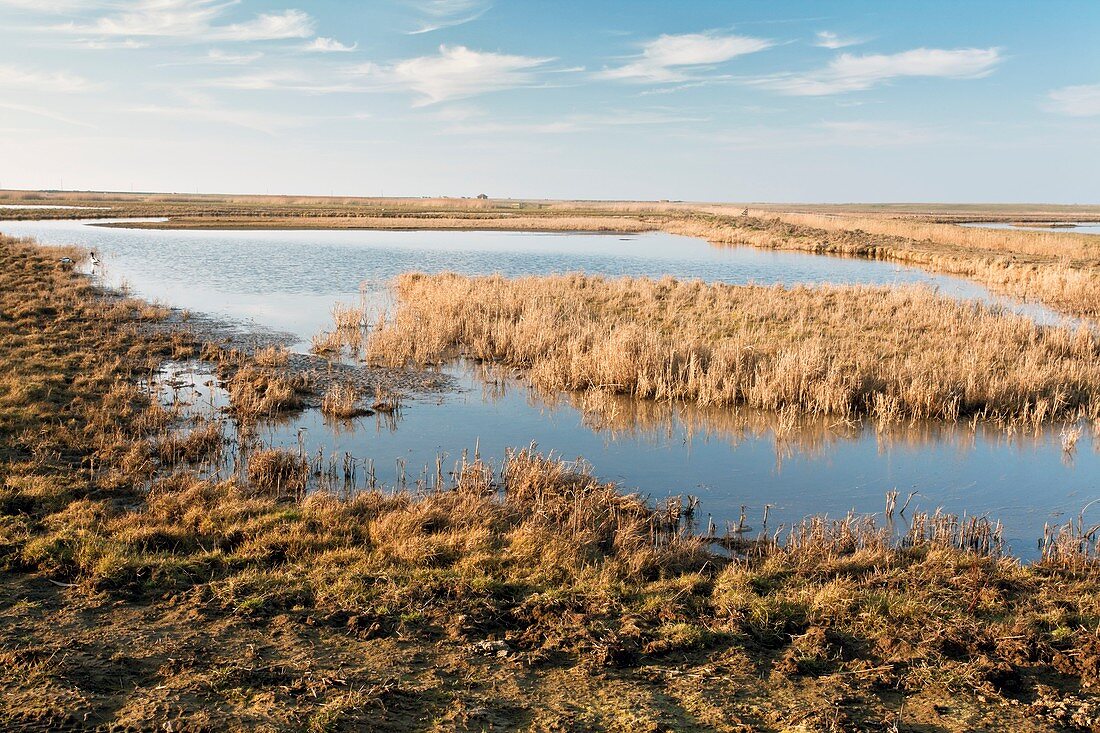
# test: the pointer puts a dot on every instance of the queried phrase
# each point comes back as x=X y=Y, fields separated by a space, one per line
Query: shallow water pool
x=289 y=280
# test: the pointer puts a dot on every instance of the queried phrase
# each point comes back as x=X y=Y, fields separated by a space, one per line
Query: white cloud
x=671 y=58
x=439 y=14
x=828 y=39
x=457 y=71
x=217 y=56
x=107 y=44
x=329 y=45
x=570 y=124
x=269 y=27
x=293 y=80
x=18 y=77
x=848 y=73
x=45 y=6
x=203 y=109
x=177 y=18
x=1075 y=101
x=192 y=20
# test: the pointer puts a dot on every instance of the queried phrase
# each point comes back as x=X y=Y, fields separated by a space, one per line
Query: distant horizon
x=253 y=194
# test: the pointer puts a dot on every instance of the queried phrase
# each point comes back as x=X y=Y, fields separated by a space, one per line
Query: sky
x=705 y=100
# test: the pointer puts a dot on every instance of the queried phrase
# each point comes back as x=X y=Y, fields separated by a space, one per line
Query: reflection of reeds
x=1070 y=436
x=385 y=401
x=839 y=351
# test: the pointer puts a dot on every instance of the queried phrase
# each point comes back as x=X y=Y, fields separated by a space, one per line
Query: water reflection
x=289 y=281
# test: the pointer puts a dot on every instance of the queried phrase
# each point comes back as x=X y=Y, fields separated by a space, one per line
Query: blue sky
x=714 y=100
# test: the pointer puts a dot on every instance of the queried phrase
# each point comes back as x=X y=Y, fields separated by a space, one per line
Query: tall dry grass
x=843 y=351
x=1059 y=270
x=1060 y=245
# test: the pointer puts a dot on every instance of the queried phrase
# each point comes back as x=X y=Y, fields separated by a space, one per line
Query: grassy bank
x=890 y=353
x=1061 y=270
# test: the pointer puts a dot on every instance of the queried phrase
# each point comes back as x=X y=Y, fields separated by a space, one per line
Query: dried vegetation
x=890 y=353
x=136 y=594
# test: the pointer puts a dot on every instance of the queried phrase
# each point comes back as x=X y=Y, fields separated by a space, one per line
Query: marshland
x=621 y=479
x=470 y=366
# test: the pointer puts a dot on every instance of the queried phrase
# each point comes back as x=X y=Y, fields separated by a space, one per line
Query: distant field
x=1057 y=267
x=222 y=206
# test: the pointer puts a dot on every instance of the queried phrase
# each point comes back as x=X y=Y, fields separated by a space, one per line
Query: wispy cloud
x=294 y=80
x=218 y=56
x=203 y=109
x=471 y=125
x=194 y=20
x=268 y=27
x=18 y=77
x=1076 y=101
x=849 y=73
x=828 y=39
x=107 y=44
x=831 y=134
x=458 y=71
x=675 y=58
x=438 y=14
x=329 y=45
x=45 y=113
x=47 y=6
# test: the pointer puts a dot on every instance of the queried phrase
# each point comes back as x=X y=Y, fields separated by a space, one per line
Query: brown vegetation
x=1059 y=270
x=341 y=401
x=529 y=597
x=842 y=351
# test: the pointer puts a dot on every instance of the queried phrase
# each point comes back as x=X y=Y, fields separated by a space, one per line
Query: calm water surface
x=289 y=280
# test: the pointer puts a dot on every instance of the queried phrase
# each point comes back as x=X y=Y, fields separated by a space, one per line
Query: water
x=1083 y=227
x=288 y=281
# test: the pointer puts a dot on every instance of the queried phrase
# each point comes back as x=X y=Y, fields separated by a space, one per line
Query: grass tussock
x=272 y=357
x=341 y=401
x=841 y=351
x=256 y=392
x=278 y=471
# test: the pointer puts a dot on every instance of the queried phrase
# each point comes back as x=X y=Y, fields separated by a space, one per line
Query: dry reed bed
x=1066 y=246
x=1059 y=270
x=842 y=351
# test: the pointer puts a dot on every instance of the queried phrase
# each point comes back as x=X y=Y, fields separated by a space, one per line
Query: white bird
x=95 y=260
x=66 y=261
